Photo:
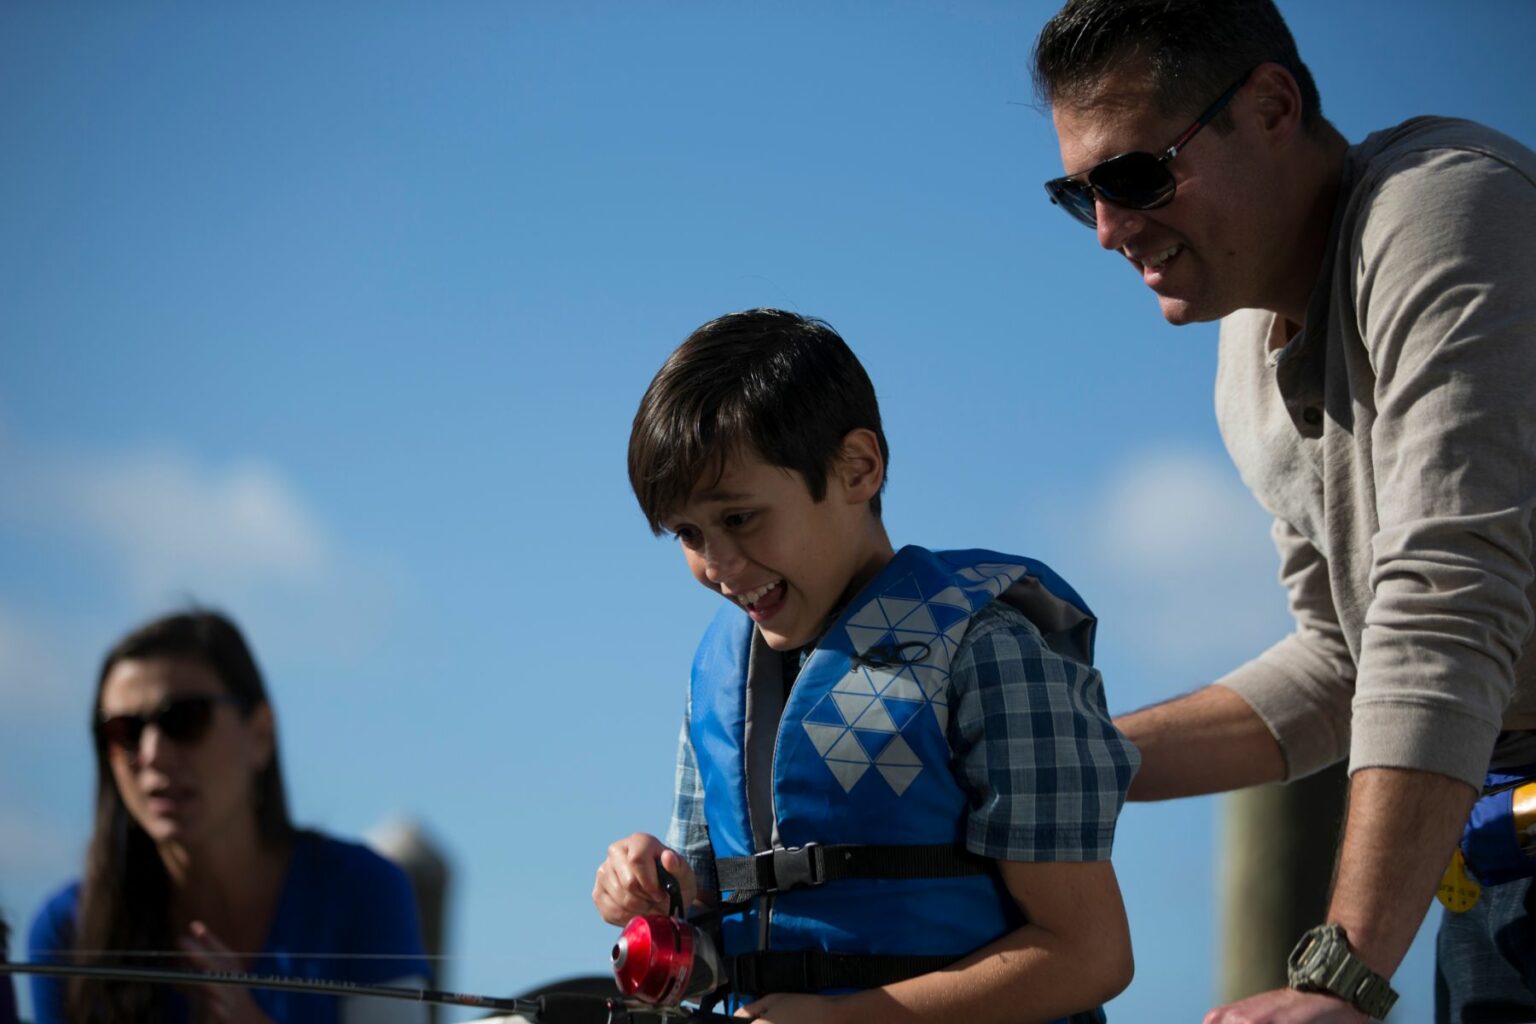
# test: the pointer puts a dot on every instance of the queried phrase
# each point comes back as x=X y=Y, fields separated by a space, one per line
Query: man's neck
x=1319 y=178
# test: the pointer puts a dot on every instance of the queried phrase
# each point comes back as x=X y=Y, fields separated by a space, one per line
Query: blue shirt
x=7 y=999
x=1032 y=743
x=338 y=898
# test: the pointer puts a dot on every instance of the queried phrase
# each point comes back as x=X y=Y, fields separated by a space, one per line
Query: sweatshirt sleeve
x=1301 y=687
x=1443 y=267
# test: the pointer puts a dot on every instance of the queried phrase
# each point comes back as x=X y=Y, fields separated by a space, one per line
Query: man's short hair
x=762 y=382
x=1192 y=50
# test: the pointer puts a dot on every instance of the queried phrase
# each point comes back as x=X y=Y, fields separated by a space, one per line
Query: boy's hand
x=627 y=885
x=787 y=1008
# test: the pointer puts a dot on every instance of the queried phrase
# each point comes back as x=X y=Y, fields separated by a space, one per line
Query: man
x=1377 y=390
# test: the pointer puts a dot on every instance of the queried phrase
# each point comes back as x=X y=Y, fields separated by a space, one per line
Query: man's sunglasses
x=1135 y=181
x=184 y=720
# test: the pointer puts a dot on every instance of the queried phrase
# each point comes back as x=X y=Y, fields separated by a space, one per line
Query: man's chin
x=1178 y=311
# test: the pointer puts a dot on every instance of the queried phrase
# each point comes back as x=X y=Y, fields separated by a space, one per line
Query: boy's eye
x=735 y=520
x=687 y=536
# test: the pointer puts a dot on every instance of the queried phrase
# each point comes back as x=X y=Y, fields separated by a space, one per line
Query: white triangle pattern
x=823 y=736
x=861 y=695
x=876 y=719
x=848 y=772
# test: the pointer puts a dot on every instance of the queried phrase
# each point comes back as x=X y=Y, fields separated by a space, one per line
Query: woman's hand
x=224 y=1004
x=627 y=885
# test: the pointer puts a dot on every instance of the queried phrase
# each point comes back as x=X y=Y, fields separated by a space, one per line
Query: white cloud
x=36 y=678
x=1183 y=570
x=170 y=525
x=1172 y=511
x=170 y=522
x=107 y=539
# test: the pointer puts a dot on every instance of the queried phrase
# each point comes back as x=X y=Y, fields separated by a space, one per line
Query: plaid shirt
x=1032 y=745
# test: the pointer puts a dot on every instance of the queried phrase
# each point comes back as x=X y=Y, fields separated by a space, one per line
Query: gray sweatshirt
x=1394 y=441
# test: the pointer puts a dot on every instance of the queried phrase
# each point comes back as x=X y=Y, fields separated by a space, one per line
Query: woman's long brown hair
x=125 y=896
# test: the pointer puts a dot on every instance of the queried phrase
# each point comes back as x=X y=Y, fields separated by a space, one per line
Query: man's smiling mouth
x=1155 y=261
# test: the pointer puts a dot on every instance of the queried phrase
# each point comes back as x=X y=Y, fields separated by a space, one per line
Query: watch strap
x=1322 y=962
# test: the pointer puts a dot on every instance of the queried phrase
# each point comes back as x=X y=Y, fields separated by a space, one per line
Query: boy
x=918 y=736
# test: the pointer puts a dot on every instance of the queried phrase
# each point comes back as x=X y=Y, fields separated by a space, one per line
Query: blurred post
x=406 y=843
x=7 y=993
x=1278 y=849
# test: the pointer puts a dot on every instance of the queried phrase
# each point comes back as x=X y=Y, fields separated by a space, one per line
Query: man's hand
x=1287 y=1006
x=627 y=885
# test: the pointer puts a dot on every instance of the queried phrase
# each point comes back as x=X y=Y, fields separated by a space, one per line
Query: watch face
x=1322 y=962
x=1313 y=955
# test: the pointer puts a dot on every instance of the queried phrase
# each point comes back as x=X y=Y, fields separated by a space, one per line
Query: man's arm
x=1401 y=827
x=1397 y=837
x=1208 y=741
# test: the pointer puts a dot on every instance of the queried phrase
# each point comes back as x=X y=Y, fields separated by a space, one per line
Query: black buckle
x=782 y=869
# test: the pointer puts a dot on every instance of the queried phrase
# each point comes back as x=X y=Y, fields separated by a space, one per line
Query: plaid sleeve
x=1045 y=768
x=687 y=832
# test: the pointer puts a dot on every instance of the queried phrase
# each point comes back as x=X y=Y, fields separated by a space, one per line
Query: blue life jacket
x=837 y=824
x=1495 y=840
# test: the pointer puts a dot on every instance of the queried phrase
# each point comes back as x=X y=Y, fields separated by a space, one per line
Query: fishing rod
x=550 y=1008
x=660 y=962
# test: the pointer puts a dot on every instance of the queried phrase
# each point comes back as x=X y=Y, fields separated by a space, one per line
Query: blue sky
x=335 y=316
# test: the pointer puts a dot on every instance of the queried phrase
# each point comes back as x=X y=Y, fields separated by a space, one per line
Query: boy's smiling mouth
x=763 y=601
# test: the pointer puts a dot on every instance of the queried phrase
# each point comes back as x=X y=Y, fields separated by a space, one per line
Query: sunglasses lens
x=186 y=720
x=1136 y=181
x=121 y=731
x=182 y=721
x=1074 y=197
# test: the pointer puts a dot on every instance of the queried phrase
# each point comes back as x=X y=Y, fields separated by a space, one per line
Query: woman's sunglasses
x=184 y=720
x=1135 y=181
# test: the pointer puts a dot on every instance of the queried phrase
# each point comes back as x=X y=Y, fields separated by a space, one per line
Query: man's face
x=1205 y=253
x=756 y=537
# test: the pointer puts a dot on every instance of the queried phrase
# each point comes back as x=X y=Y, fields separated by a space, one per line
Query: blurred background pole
x=1277 y=853
x=406 y=843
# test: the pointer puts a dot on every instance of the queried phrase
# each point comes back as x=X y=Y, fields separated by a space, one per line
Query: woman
x=193 y=854
x=7 y=993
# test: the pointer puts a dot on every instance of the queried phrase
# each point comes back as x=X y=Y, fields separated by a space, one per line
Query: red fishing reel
x=665 y=960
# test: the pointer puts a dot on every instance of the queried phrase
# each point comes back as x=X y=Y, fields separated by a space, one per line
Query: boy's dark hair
x=778 y=385
x=1192 y=50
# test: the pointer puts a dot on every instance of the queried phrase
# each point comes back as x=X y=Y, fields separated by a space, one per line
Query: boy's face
x=757 y=538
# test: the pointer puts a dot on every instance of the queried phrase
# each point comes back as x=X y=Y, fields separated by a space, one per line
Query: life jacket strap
x=780 y=870
x=815 y=970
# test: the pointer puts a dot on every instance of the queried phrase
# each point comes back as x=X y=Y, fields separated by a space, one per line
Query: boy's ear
x=859 y=465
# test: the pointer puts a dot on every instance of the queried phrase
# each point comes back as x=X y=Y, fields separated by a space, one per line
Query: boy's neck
x=878 y=553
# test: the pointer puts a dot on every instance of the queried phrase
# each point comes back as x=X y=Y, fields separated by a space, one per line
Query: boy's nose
x=722 y=560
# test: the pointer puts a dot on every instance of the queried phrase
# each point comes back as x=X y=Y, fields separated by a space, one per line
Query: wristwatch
x=1322 y=962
